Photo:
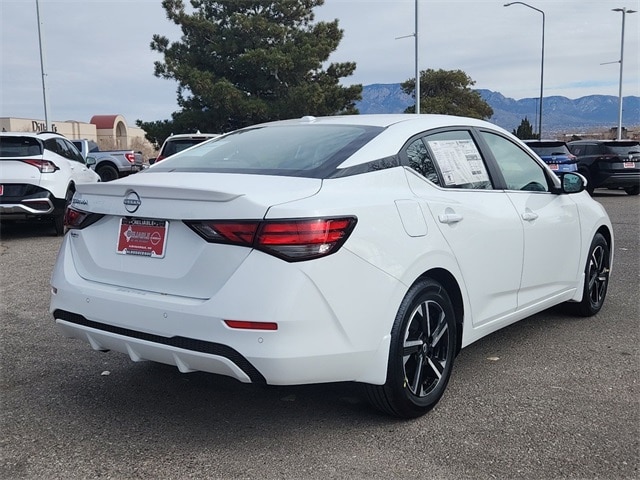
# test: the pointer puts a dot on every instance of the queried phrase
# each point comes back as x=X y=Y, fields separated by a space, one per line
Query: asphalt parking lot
x=550 y=397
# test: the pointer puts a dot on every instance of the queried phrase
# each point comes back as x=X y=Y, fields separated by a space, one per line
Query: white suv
x=38 y=176
x=179 y=142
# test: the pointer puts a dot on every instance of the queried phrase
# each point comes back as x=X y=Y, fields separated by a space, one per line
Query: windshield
x=289 y=150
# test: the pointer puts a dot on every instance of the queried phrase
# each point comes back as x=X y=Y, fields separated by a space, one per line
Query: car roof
x=607 y=142
x=179 y=136
x=42 y=135
x=422 y=121
x=545 y=142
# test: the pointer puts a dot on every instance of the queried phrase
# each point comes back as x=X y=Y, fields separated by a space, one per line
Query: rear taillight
x=292 y=240
x=131 y=157
x=45 y=166
x=78 y=219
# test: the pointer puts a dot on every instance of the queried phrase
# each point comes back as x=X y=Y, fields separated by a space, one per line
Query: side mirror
x=573 y=182
x=90 y=161
x=152 y=161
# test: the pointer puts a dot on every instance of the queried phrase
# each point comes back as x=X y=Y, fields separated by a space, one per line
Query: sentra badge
x=132 y=202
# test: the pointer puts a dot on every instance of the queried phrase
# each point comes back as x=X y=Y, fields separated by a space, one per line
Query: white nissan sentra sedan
x=351 y=248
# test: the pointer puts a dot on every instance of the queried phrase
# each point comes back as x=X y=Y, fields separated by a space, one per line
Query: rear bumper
x=617 y=179
x=187 y=354
x=314 y=343
x=36 y=204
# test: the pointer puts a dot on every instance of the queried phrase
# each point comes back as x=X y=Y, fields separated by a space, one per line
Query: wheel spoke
x=440 y=330
x=411 y=347
x=417 y=376
x=437 y=367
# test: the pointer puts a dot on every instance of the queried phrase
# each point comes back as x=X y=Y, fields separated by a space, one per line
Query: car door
x=478 y=222
x=81 y=173
x=550 y=221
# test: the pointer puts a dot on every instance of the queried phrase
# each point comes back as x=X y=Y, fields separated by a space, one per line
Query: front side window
x=72 y=152
x=520 y=171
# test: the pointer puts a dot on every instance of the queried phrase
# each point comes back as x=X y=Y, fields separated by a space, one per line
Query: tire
x=633 y=190
x=421 y=354
x=58 y=219
x=589 y=188
x=596 y=279
x=107 y=173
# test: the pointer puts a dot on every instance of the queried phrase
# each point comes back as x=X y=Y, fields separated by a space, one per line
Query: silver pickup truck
x=111 y=164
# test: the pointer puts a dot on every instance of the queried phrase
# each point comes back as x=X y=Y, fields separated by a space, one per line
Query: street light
x=624 y=12
x=44 y=90
x=415 y=36
x=541 y=64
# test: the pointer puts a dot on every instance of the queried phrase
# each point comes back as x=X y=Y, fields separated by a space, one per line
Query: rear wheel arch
x=450 y=284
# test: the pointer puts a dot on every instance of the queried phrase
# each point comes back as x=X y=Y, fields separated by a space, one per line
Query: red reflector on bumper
x=244 y=325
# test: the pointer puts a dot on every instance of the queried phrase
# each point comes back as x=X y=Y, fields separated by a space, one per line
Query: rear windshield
x=289 y=150
x=623 y=148
x=550 y=148
x=19 y=147
x=174 y=146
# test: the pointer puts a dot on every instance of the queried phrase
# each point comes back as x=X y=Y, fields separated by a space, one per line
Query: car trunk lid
x=119 y=249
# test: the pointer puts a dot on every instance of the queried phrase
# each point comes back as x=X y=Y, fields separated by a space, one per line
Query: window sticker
x=459 y=161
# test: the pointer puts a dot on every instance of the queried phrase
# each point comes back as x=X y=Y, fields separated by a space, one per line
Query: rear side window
x=449 y=159
x=19 y=147
x=289 y=150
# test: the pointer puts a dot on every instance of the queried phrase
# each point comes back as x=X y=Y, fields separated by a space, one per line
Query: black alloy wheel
x=596 y=278
x=422 y=351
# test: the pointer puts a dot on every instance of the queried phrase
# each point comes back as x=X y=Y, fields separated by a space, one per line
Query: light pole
x=44 y=90
x=624 y=12
x=415 y=36
x=541 y=65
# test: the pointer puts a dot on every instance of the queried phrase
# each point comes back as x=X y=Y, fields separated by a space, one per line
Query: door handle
x=529 y=216
x=449 y=218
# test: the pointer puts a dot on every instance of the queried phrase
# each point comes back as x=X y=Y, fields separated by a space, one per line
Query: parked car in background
x=609 y=163
x=111 y=164
x=365 y=248
x=554 y=153
x=182 y=141
x=39 y=173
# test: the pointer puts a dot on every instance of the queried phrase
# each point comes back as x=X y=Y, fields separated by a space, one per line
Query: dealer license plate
x=143 y=237
x=629 y=164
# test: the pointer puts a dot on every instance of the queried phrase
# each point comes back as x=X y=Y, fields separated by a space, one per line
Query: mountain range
x=559 y=114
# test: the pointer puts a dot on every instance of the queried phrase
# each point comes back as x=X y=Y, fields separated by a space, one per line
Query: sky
x=97 y=59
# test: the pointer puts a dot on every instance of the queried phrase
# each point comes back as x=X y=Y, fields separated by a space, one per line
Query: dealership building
x=109 y=131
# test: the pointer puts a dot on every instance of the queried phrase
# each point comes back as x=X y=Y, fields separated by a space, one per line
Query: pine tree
x=242 y=62
x=525 y=130
x=447 y=92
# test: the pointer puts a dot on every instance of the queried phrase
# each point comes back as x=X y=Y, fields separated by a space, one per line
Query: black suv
x=609 y=163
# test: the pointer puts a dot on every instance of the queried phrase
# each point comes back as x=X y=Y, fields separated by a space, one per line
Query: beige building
x=109 y=131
